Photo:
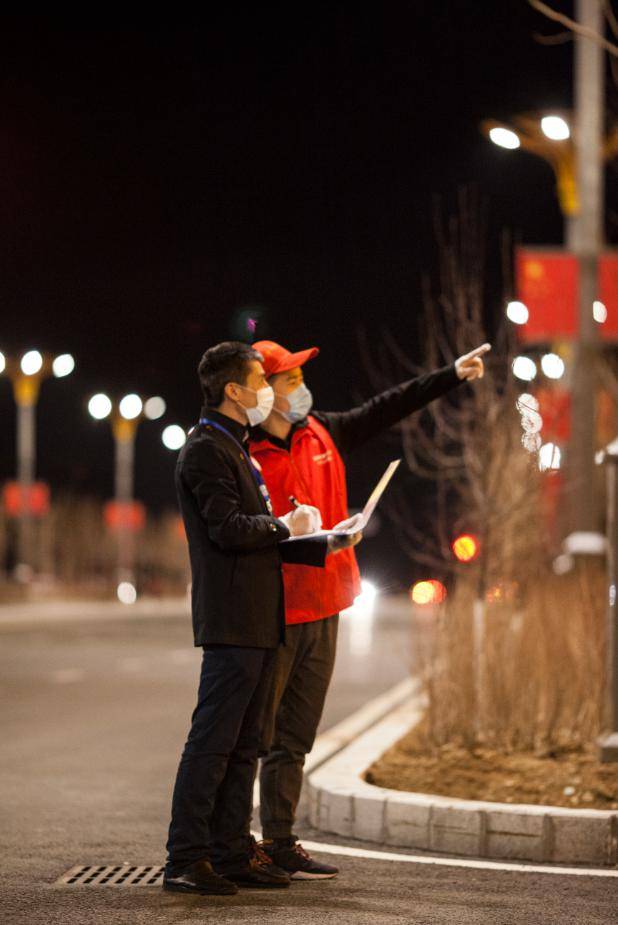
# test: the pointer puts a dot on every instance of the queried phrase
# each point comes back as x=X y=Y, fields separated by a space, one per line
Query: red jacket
x=310 y=467
x=313 y=472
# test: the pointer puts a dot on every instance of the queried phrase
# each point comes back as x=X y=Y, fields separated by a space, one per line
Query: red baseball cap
x=277 y=359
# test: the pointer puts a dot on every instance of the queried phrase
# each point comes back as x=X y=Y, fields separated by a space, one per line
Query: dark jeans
x=212 y=802
x=302 y=671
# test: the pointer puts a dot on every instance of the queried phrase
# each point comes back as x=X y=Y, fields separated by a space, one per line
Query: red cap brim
x=292 y=360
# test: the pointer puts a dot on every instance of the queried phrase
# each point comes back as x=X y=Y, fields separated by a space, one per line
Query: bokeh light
x=173 y=437
x=31 y=363
x=555 y=128
x=504 y=138
x=465 y=547
x=154 y=408
x=130 y=406
x=99 y=406
x=599 y=312
x=63 y=365
x=524 y=368
x=126 y=592
x=517 y=312
x=549 y=457
x=552 y=365
x=426 y=592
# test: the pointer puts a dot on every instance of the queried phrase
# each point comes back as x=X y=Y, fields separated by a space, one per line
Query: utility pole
x=124 y=439
x=585 y=241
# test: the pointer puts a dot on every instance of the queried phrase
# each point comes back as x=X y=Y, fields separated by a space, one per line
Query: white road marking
x=371 y=854
x=68 y=675
x=459 y=862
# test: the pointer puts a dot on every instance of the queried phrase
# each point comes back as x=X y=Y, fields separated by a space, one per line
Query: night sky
x=161 y=177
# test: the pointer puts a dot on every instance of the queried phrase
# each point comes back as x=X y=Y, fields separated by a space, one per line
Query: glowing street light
x=552 y=365
x=125 y=416
x=27 y=374
x=63 y=365
x=555 y=128
x=504 y=137
x=31 y=363
x=524 y=368
x=99 y=406
x=173 y=437
x=517 y=312
x=154 y=408
x=130 y=407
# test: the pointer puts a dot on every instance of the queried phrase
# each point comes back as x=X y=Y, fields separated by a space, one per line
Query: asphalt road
x=95 y=714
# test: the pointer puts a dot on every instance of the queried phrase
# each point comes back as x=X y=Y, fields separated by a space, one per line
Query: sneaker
x=257 y=871
x=289 y=855
x=199 y=878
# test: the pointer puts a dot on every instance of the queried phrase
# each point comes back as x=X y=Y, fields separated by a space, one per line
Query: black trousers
x=212 y=801
x=302 y=671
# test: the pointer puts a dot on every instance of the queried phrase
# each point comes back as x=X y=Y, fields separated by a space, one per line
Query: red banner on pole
x=33 y=500
x=124 y=515
x=547 y=284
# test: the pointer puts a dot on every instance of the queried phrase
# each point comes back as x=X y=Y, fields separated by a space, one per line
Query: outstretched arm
x=350 y=429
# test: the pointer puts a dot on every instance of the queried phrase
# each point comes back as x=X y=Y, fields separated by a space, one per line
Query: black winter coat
x=234 y=542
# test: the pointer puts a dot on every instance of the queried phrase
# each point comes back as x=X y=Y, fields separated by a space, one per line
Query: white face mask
x=300 y=402
x=265 y=402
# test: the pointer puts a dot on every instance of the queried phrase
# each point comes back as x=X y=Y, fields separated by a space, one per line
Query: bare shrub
x=517 y=655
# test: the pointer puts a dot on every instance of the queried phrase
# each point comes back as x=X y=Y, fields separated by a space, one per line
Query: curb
x=342 y=803
x=31 y=613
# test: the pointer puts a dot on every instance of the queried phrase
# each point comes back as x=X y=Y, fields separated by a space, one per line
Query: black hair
x=226 y=362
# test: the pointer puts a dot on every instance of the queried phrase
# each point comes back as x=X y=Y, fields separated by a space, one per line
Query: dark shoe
x=257 y=871
x=199 y=878
x=289 y=855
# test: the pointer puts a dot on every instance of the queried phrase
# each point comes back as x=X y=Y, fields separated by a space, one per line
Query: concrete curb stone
x=341 y=802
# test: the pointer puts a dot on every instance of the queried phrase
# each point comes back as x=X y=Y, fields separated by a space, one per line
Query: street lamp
x=173 y=437
x=27 y=373
x=125 y=415
x=576 y=158
x=549 y=137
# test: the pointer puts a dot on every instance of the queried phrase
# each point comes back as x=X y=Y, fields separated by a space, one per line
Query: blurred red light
x=466 y=547
x=430 y=591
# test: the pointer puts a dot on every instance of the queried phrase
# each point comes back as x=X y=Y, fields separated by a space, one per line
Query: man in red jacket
x=300 y=455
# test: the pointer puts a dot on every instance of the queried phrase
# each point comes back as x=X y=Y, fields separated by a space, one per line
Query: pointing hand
x=470 y=366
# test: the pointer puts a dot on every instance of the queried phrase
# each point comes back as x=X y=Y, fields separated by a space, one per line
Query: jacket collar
x=238 y=431
x=260 y=436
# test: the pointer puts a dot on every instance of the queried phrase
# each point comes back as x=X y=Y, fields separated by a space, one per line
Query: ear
x=232 y=391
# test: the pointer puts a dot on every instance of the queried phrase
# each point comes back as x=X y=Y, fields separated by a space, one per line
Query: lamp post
x=577 y=161
x=27 y=374
x=125 y=416
x=608 y=743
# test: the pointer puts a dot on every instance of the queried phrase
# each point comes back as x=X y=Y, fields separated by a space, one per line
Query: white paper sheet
x=357 y=522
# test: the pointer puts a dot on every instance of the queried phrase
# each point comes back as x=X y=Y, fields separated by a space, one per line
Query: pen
x=294 y=501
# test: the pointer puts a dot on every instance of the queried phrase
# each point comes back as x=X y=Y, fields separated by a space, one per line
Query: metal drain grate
x=121 y=875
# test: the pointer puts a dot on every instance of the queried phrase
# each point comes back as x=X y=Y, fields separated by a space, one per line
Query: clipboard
x=358 y=521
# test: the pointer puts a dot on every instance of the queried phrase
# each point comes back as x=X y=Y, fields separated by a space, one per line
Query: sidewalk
x=15 y=616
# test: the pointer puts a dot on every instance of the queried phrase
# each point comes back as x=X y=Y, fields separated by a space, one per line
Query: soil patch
x=572 y=778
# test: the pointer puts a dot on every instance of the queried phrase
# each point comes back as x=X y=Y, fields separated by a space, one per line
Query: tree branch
x=574 y=26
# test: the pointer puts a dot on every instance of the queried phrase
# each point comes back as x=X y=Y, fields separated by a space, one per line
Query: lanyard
x=257 y=475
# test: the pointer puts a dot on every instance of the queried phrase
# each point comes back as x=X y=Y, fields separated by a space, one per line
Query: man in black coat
x=236 y=547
